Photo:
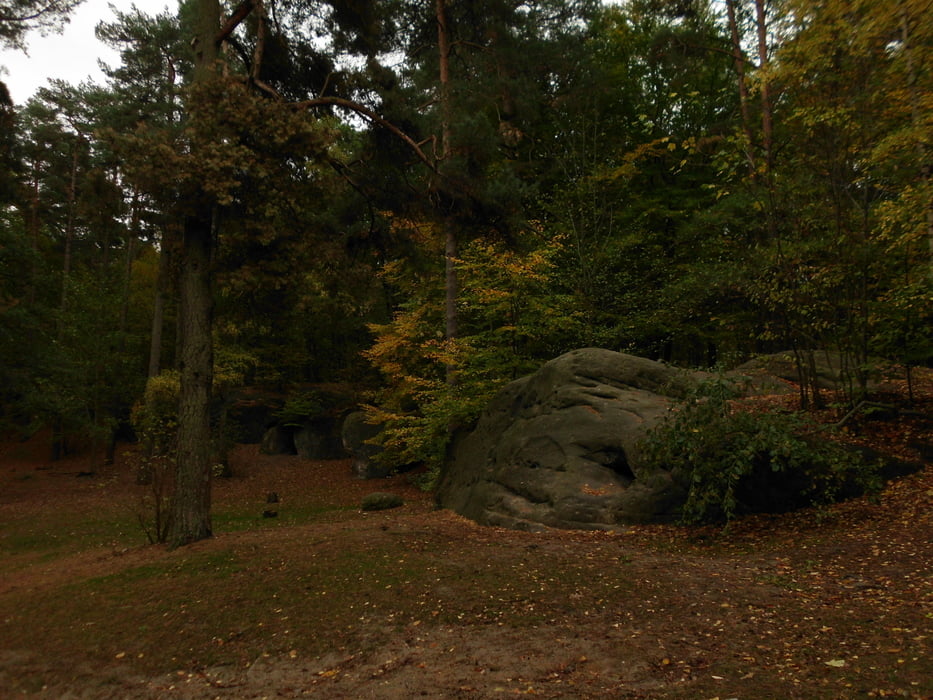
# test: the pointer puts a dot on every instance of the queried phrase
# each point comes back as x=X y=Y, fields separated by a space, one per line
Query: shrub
x=155 y=420
x=731 y=461
x=302 y=407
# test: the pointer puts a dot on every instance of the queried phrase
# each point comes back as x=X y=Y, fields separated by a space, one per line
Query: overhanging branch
x=239 y=14
x=372 y=116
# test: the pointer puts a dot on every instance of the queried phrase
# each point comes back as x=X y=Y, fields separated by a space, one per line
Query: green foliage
x=600 y=166
x=155 y=420
x=733 y=461
x=301 y=407
x=20 y=17
x=905 y=328
x=513 y=316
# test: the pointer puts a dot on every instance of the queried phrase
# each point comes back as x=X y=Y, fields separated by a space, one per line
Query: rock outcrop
x=560 y=448
x=356 y=435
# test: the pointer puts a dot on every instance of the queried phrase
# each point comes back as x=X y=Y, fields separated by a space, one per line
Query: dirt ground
x=327 y=601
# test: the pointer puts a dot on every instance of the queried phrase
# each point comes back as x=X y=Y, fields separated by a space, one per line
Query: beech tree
x=479 y=94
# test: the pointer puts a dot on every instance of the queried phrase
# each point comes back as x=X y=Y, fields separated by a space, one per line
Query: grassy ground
x=331 y=602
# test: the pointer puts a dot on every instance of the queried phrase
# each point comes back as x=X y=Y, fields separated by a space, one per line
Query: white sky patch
x=71 y=56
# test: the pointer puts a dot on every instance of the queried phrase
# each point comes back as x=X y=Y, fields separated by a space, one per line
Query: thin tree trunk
x=921 y=146
x=34 y=229
x=767 y=123
x=451 y=281
x=767 y=126
x=259 y=51
x=164 y=285
x=739 y=59
x=69 y=237
x=163 y=282
x=155 y=336
x=59 y=443
x=128 y=267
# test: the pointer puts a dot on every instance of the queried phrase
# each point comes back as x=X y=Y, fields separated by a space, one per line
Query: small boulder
x=382 y=501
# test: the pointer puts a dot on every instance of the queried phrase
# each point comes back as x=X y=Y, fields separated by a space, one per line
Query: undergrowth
x=732 y=461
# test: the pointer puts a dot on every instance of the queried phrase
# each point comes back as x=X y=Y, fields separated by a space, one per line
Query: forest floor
x=331 y=602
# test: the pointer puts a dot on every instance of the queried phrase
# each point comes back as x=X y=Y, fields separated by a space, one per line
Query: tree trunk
x=69 y=238
x=767 y=125
x=739 y=59
x=451 y=282
x=915 y=119
x=35 y=227
x=164 y=287
x=191 y=502
x=155 y=337
x=191 y=505
x=131 y=240
x=767 y=122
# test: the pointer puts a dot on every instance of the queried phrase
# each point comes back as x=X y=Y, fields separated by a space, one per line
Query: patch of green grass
x=61 y=534
x=215 y=566
x=243 y=519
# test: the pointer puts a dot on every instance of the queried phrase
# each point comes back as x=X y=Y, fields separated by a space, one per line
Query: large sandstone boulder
x=278 y=440
x=251 y=412
x=560 y=448
x=319 y=439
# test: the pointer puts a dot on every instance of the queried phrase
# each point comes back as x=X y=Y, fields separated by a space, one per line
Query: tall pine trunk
x=191 y=502
x=191 y=505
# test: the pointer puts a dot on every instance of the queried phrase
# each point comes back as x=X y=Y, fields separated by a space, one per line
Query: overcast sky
x=72 y=55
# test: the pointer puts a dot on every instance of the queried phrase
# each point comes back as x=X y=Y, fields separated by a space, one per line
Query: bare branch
x=372 y=116
x=54 y=6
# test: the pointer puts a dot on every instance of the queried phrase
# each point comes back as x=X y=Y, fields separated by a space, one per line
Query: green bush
x=155 y=420
x=731 y=461
x=302 y=407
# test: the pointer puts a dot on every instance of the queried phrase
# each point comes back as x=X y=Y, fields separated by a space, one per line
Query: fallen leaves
x=770 y=608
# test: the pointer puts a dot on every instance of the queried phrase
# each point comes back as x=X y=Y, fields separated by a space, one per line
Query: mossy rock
x=382 y=501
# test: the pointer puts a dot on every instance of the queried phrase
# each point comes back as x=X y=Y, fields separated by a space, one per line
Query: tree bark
x=158 y=316
x=767 y=122
x=451 y=281
x=739 y=59
x=69 y=238
x=915 y=119
x=191 y=501
x=191 y=511
x=35 y=226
